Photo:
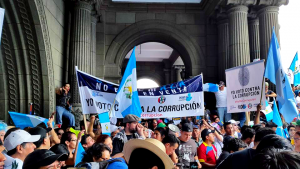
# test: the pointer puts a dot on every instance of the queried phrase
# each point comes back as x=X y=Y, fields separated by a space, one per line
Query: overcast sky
x=289 y=20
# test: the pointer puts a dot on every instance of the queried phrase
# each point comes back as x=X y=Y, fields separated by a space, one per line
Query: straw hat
x=150 y=144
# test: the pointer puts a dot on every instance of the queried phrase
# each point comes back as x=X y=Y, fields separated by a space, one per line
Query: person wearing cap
x=187 y=151
x=196 y=135
x=207 y=152
x=44 y=141
x=221 y=99
x=18 y=144
x=146 y=154
x=132 y=130
x=44 y=159
x=60 y=149
x=236 y=132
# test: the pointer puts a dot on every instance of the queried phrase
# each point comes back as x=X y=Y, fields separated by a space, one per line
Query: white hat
x=113 y=128
x=150 y=144
x=18 y=137
x=234 y=122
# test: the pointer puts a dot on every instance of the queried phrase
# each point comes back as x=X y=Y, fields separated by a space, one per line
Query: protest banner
x=181 y=99
x=245 y=87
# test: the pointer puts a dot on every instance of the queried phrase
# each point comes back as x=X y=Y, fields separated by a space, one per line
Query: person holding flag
x=129 y=106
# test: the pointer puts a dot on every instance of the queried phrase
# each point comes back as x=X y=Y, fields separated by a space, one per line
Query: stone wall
x=188 y=18
x=55 y=15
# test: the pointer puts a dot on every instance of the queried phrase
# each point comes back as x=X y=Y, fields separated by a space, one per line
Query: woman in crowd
x=71 y=141
x=105 y=139
x=3 y=129
x=159 y=134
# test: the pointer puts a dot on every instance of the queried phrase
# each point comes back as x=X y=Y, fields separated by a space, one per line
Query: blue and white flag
x=80 y=154
x=277 y=120
x=268 y=111
x=210 y=87
x=275 y=73
x=295 y=68
x=105 y=123
x=26 y=120
x=127 y=95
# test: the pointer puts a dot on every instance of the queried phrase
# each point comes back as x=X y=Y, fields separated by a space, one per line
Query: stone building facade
x=43 y=40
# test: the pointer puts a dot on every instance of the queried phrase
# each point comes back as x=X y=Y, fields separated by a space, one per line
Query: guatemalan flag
x=210 y=87
x=127 y=94
x=275 y=73
x=295 y=68
x=268 y=112
x=26 y=120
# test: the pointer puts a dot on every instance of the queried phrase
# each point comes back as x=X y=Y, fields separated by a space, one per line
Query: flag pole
x=111 y=108
x=263 y=81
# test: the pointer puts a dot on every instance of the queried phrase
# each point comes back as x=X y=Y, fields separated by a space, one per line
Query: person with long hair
x=71 y=141
x=159 y=133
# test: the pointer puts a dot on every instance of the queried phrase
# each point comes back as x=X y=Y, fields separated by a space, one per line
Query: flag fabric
x=275 y=73
x=268 y=111
x=210 y=87
x=127 y=94
x=105 y=123
x=76 y=132
x=277 y=120
x=295 y=69
x=80 y=154
x=26 y=120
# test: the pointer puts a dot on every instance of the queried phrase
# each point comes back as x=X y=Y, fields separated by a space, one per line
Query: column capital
x=83 y=4
x=241 y=2
x=268 y=9
x=273 y=2
x=239 y=8
x=254 y=21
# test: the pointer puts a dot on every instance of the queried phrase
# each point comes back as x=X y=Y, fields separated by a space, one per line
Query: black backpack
x=97 y=165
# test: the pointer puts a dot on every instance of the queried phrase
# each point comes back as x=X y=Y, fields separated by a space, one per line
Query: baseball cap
x=162 y=125
x=234 y=122
x=18 y=137
x=195 y=127
x=205 y=133
x=131 y=118
x=40 y=158
x=187 y=127
x=39 y=131
x=221 y=83
x=297 y=123
x=173 y=128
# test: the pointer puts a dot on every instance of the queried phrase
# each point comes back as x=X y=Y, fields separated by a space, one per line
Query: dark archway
x=156 y=31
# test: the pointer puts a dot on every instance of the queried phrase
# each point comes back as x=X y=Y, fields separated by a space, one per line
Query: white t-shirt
x=221 y=97
x=298 y=101
x=219 y=145
x=12 y=163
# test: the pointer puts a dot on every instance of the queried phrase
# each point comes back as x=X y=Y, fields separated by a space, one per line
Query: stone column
x=223 y=47
x=93 y=44
x=254 y=39
x=178 y=77
x=80 y=45
x=238 y=36
x=268 y=18
x=167 y=76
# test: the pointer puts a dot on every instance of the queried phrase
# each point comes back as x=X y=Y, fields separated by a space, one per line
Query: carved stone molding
x=33 y=56
x=239 y=8
x=241 y=2
x=49 y=60
x=273 y=2
x=11 y=69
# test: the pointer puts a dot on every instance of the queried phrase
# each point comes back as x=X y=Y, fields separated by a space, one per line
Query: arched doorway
x=157 y=61
x=153 y=31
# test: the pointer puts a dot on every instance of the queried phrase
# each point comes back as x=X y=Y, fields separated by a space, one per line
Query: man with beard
x=132 y=130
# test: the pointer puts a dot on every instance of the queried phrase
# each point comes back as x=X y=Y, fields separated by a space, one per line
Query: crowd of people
x=212 y=141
